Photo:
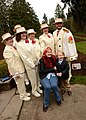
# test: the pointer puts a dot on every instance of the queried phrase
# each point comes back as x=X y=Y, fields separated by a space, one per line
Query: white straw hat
x=44 y=26
x=5 y=36
x=58 y=20
x=20 y=30
x=31 y=31
x=15 y=27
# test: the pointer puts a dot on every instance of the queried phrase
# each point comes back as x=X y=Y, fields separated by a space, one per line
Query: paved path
x=73 y=107
x=10 y=105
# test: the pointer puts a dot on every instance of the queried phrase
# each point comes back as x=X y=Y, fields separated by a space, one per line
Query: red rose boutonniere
x=70 y=39
x=33 y=41
x=26 y=41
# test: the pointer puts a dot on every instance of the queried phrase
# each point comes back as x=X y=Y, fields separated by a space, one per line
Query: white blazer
x=13 y=60
x=45 y=41
x=27 y=54
x=36 y=48
x=64 y=41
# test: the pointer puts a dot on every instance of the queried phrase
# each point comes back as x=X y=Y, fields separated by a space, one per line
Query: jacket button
x=71 y=58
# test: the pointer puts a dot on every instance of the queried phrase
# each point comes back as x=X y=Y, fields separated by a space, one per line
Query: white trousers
x=70 y=74
x=21 y=85
x=33 y=79
x=37 y=77
x=26 y=78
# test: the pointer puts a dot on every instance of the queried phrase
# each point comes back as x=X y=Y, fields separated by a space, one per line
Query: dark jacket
x=43 y=71
x=63 y=68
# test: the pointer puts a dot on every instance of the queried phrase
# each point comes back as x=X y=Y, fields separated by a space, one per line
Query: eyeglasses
x=10 y=38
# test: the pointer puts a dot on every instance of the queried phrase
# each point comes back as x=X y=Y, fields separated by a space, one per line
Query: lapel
x=46 y=38
x=60 y=35
x=12 y=49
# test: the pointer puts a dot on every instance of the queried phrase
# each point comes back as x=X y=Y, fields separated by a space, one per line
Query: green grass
x=78 y=80
x=81 y=38
x=81 y=46
x=80 y=33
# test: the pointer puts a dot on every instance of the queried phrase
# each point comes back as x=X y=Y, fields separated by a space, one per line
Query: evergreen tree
x=51 y=25
x=59 y=13
x=21 y=12
x=3 y=17
x=78 y=12
x=45 y=20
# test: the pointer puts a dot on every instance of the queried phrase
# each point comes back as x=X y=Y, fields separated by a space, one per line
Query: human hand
x=37 y=62
x=17 y=75
x=55 y=68
x=59 y=74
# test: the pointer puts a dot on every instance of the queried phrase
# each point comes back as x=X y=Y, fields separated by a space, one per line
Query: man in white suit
x=28 y=56
x=35 y=42
x=64 y=41
x=15 y=65
x=15 y=43
x=36 y=48
x=46 y=39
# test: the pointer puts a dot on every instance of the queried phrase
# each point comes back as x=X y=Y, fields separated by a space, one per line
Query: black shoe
x=69 y=93
x=59 y=102
x=62 y=97
x=63 y=92
x=45 y=108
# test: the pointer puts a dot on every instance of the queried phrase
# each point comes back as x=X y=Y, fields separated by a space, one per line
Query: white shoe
x=40 y=91
x=28 y=94
x=36 y=94
x=40 y=85
x=26 y=81
x=25 y=98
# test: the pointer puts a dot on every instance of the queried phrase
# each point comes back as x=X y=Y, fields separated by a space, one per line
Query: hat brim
x=44 y=28
x=2 y=41
x=31 y=33
x=20 y=32
x=57 y=22
x=7 y=38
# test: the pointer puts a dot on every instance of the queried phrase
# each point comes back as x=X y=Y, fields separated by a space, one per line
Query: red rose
x=33 y=41
x=70 y=38
x=26 y=41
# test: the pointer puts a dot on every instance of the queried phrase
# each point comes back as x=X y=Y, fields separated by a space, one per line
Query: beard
x=59 y=28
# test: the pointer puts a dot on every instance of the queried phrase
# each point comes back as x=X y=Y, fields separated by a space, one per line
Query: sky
x=45 y=6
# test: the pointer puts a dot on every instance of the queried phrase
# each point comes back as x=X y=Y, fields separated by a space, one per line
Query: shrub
x=3 y=68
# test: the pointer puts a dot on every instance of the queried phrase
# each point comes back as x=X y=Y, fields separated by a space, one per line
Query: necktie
x=26 y=41
x=48 y=36
x=58 y=32
x=14 y=47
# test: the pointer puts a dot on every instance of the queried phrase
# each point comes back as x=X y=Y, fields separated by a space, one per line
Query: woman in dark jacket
x=48 y=78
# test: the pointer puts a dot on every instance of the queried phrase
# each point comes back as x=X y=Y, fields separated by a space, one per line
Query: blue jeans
x=49 y=84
